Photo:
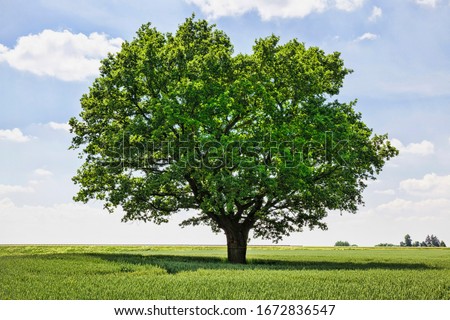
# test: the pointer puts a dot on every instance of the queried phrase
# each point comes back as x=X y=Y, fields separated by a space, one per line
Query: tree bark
x=237 y=245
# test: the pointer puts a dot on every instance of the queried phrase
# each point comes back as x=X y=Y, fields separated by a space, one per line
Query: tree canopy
x=249 y=141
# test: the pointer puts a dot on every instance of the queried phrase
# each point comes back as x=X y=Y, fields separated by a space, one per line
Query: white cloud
x=6 y=203
x=397 y=204
x=422 y=210
x=431 y=186
x=376 y=13
x=6 y=189
x=3 y=49
x=367 y=36
x=389 y=192
x=431 y=84
x=59 y=126
x=348 y=5
x=427 y=3
x=271 y=9
x=14 y=135
x=42 y=172
x=422 y=148
x=63 y=55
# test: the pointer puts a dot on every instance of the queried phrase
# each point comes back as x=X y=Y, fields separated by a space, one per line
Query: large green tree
x=248 y=141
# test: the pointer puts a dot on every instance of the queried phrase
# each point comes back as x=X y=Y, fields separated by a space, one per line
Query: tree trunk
x=237 y=245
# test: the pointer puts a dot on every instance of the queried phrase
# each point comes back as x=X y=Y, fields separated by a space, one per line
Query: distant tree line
x=430 y=241
x=344 y=244
x=385 y=245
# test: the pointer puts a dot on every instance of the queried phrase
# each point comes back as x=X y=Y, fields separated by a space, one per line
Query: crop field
x=158 y=272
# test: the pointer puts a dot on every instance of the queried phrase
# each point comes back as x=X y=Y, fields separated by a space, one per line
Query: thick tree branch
x=142 y=112
x=231 y=124
x=250 y=218
x=325 y=174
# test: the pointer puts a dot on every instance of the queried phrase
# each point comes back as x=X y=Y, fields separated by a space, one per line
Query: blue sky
x=49 y=56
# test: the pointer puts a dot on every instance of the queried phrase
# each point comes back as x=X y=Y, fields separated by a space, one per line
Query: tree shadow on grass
x=179 y=263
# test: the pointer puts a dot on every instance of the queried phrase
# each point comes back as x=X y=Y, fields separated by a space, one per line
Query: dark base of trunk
x=237 y=254
x=237 y=247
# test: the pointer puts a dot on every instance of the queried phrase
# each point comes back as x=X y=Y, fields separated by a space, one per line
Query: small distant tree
x=435 y=241
x=416 y=244
x=342 y=244
x=384 y=245
x=408 y=241
x=432 y=241
x=428 y=242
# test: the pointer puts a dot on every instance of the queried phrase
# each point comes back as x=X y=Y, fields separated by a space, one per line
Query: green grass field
x=143 y=272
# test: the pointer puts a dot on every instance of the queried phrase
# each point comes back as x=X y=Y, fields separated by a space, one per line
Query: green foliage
x=385 y=245
x=430 y=241
x=250 y=141
x=79 y=272
x=408 y=241
x=342 y=244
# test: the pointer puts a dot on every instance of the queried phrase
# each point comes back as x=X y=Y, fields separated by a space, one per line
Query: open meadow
x=175 y=272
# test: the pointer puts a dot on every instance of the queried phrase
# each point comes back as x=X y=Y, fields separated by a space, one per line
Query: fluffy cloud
x=397 y=204
x=429 y=84
x=14 y=135
x=389 y=192
x=428 y=209
x=6 y=189
x=428 y=3
x=59 y=126
x=269 y=9
x=367 y=36
x=348 y=5
x=376 y=13
x=423 y=148
x=42 y=172
x=6 y=203
x=63 y=55
x=3 y=49
x=431 y=186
